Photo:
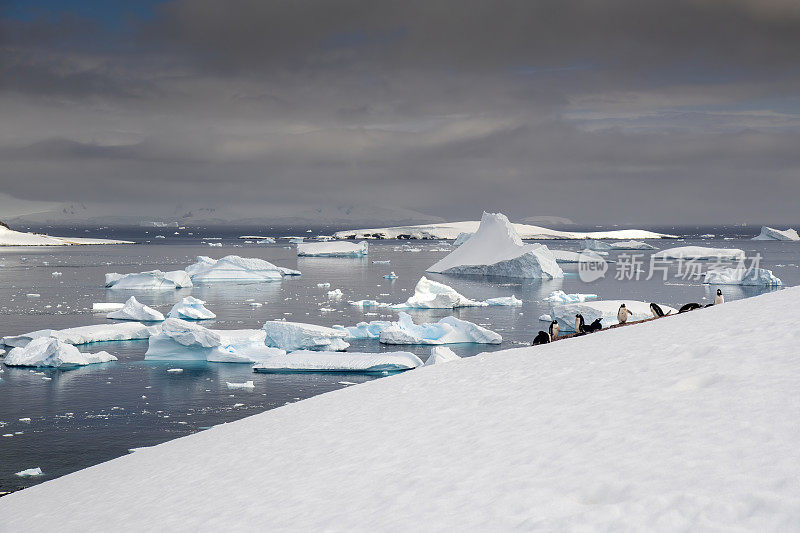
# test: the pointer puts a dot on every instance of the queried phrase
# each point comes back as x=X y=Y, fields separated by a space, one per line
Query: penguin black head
x=554 y=323
x=719 y=292
x=623 y=305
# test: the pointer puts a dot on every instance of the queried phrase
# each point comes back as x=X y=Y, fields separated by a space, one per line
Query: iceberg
x=510 y=301
x=10 y=237
x=333 y=249
x=701 y=252
x=321 y=361
x=462 y=238
x=441 y=354
x=562 y=297
x=190 y=308
x=233 y=268
x=134 y=310
x=449 y=330
x=429 y=294
x=772 y=234
x=595 y=245
x=742 y=276
x=53 y=353
x=153 y=280
x=291 y=336
x=247 y=385
x=125 y=331
x=606 y=310
x=104 y=307
x=497 y=250
x=365 y=330
x=632 y=245
x=369 y=303
x=30 y=472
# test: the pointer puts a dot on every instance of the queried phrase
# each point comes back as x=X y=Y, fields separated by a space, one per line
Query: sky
x=617 y=112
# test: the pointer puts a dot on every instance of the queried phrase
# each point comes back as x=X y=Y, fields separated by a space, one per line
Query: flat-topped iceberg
x=429 y=294
x=291 y=336
x=53 y=353
x=190 y=308
x=135 y=310
x=317 y=361
x=562 y=297
x=742 y=276
x=233 y=268
x=497 y=250
x=449 y=330
x=772 y=234
x=125 y=331
x=441 y=354
x=333 y=249
x=701 y=252
x=509 y=301
x=153 y=280
x=600 y=246
x=10 y=237
x=606 y=310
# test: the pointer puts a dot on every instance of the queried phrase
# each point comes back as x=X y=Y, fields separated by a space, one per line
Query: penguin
x=541 y=338
x=689 y=307
x=580 y=325
x=656 y=310
x=719 y=299
x=622 y=314
x=594 y=326
x=708 y=305
x=553 y=330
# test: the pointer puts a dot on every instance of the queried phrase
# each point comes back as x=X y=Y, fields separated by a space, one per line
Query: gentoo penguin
x=541 y=338
x=553 y=331
x=580 y=325
x=594 y=326
x=720 y=299
x=622 y=314
x=656 y=310
x=689 y=307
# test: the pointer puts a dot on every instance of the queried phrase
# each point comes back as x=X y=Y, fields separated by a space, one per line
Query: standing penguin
x=580 y=325
x=656 y=310
x=541 y=338
x=553 y=330
x=719 y=299
x=622 y=314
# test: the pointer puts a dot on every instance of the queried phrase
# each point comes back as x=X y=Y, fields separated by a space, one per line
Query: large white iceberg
x=125 y=331
x=449 y=330
x=429 y=294
x=742 y=276
x=135 y=310
x=497 y=250
x=333 y=249
x=292 y=336
x=153 y=280
x=190 y=308
x=701 y=252
x=54 y=353
x=233 y=268
x=772 y=234
x=606 y=310
x=316 y=361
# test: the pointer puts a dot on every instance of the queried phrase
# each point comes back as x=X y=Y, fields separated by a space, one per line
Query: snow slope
x=680 y=424
x=9 y=237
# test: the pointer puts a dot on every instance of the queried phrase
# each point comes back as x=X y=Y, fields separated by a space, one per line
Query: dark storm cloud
x=598 y=111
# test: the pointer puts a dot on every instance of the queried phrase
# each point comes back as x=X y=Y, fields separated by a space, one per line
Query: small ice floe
x=134 y=310
x=441 y=354
x=335 y=294
x=33 y=295
x=215 y=244
x=30 y=472
x=174 y=370
x=25 y=420
x=562 y=297
x=55 y=274
x=255 y=304
x=324 y=285
x=247 y=385
x=546 y=318
x=386 y=262
x=238 y=405
x=391 y=275
x=509 y=301
x=104 y=307
x=369 y=303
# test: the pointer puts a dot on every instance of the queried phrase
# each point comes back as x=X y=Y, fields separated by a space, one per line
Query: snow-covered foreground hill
x=689 y=422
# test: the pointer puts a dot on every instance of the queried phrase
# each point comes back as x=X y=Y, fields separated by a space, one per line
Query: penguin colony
x=544 y=337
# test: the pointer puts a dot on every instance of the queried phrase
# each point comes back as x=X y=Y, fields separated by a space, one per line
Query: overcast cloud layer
x=604 y=112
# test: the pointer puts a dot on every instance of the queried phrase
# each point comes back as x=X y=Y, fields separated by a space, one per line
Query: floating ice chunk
x=316 y=361
x=497 y=250
x=33 y=295
x=335 y=294
x=772 y=234
x=215 y=244
x=333 y=249
x=30 y=472
x=742 y=276
x=449 y=330
x=546 y=318
x=381 y=262
x=369 y=303
x=511 y=301
x=365 y=330
x=105 y=307
x=441 y=354
x=185 y=341
x=85 y=334
x=175 y=370
x=52 y=352
x=134 y=310
x=324 y=285
x=462 y=238
x=240 y=386
x=190 y=308
x=390 y=275
x=606 y=310
x=233 y=268
x=701 y=252
x=595 y=245
x=632 y=245
x=55 y=274
x=292 y=336
x=153 y=280
x=242 y=352
x=266 y=240
x=562 y=297
x=429 y=294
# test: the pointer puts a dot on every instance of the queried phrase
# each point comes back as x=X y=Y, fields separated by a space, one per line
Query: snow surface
x=191 y=308
x=772 y=234
x=9 y=237
x=233 y=268
x=153 y=280
x=125 y=331
x=497 y=250
x=320 y=361
x=134 y=310
x=680 y=424
x=333 y=249
x=54 y=353
x=606 y=310
x=449 y=330
x=292 y=336
x=742 y=276
x=701 y=252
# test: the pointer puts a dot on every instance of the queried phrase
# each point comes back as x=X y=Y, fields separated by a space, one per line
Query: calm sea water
x=82 y=417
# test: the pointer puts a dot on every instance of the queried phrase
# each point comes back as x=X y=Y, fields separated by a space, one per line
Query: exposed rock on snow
x=333 y=249
x=606 y=310
x=701 y=252
x=449 y=330
x=292 y=336
x=742 y=276
x=191 y=308
x=441 y=354
x=233 y=268
x=772 y=234
x=562 y=297
x=9 y=237
x=153 y=280
x=125 y=331
x=54 y=353
x=496 y=250
x=134 y=310
x=316 y=361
